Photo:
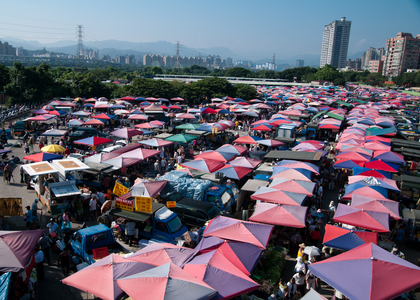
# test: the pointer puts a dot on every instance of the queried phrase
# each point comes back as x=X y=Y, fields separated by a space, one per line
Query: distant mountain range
x=114 y=48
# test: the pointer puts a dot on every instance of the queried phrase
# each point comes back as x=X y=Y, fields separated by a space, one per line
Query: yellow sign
x=170 y=204
x=179 y=167
x=144 y=204
x=119 y=189
x=124 y=204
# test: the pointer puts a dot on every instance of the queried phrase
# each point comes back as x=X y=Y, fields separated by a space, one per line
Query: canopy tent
x=122 y=162
x=244 y=256
x=163 y=253
x=281 y=215
x=166 y=281
x=291 y=185
x=246 y=162
x=382 y=165
x=235 y=149
x=369 y=172
x=234 y=172
x=247 y=139
x=369 y=191
x=100 y=278
x=370 y=273
x=205 y=165
x=140 y=153
x=381 y=205
x=54 y=132
x=346 y=239
x=373 y=181
x=389 y=156
x=291 y=174
x=299 y=165
x=16 y=248
x=37 y=157
x=216 y=156
x=372 y=220
x=219 y=273
x=240 y=231
x=270 y=143
x=181 y=138
x=156 y=143
x=145 y=188
x=347 y=164
x=279 y=197
x=126 y=133
x=93 y=141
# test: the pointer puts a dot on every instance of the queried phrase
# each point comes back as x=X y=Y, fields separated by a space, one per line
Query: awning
x=39 y=168
x=253 y=185
x=65 y=190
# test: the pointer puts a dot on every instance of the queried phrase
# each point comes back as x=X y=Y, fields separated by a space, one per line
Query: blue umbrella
x=355 y=186
x=225 y=112
x=278 y=169
x=117 y=106
x=140 y=99
x=88 y=105
x=146 y=103
x=358 y=170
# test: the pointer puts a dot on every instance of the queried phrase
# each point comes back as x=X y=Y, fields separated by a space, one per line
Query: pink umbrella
x=138 y=117
x=146 y=125
x=372 y=220
x=122 y=162
x=270 y=143
x=140 y=153
x=94 y=122
x=145 y=188
x=246 y=162
x=282 y=215
x=279 y=197
x=156 y=143
x=186 y=116
x=126 y=132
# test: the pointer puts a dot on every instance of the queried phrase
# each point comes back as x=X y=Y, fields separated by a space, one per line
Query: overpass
x=233 y=80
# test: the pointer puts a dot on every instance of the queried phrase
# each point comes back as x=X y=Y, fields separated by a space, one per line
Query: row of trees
x=25 y=84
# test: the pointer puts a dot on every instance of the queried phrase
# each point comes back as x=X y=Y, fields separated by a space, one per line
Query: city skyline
x=248 y=29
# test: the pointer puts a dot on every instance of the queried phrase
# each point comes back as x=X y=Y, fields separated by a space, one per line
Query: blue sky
x=254 y=29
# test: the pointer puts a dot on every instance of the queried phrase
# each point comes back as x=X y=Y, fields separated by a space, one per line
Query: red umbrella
x=365 y=191
x=146 y=125
x=372 y=220
x=94 y=122
x=295 y=186
x=353 y=156
x=236 y=149
x=247 y=139
x=174 y=107
x=157 y=122
x=100 y=278
x=234 y=172
x=208 y=110
x=216 y=156
x=261 y=128
x=381 y=205
x=279 y=197
x=93 y=141
x=281 y=215
x=291 y=174
x=205 y=165
x=376 y=146
x=166 y=281
x=240 y=231
x=102 y=116
x=382 y=165
x=145 y=188
x=368 y=272
x=219 y=273
x=138 y=117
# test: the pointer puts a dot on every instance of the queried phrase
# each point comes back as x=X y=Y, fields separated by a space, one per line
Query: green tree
x=245 y=91
x=4 y=77
x=238 y=72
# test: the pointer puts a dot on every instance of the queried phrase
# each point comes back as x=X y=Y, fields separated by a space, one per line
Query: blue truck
x=220 y=195
x=85 y=242
x=161 y=225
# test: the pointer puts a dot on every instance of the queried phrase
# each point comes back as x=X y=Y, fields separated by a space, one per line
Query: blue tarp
x=186 y=186
x=5 y=285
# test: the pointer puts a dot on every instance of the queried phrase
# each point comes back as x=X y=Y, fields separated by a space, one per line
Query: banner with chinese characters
x=144 y=204
x=124 y=204
x=170 y=204
x=119 y=189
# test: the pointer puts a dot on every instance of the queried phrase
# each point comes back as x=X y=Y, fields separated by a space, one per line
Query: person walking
x=44 y=245
x=35 y=209
x=64 y=258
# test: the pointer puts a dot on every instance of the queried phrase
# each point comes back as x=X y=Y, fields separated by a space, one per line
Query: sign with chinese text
x=170 y=204
x=119 y=189
x=144 y=204
x=124 y=204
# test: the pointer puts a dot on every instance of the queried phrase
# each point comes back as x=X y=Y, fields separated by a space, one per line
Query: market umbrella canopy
x=100 y=278
x=138 y=117
x=75 y=122
x=291 y=174
x=166 y=282
x=389 y=156
x=236 y=149
x=156 y=143
x=299 y=165
x=93 y=141
x=382 y=165
x=353 y=156
x=102 y=116
x=279 y=197
x=247 y=139
x=16 y=248
x=126 y=132
x=54 y=132
x=146 y=125
x=181 y=138
x=346 y=239
x=370 y=273
x=246 y=162
x=205 y=165
x=270 y=143
x=216 y=156
x=313 y=295
x=295 y=186
x=145 y=188
x=312 y=251
x=373 y=181
x=94 y=122
x=369 y=191
x=381 y=205
x=347 y=164
x=234 y=172
x=162 y=253
x=240 y=231
x=186 y=116
x=121 y=162
x=376 y=146
x=372 y=220
x=188 y=126
x=100 y=157
x=42 y=118
x=219 y=273
x=244 y=256
x=40 y=111
x=281 y=215
x=53 y=149
x=37 y=157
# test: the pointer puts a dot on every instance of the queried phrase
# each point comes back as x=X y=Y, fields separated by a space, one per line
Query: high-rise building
x=300 y=63
x=335 y=43
x=370 y=54
x=401 y=53
x=379 y=53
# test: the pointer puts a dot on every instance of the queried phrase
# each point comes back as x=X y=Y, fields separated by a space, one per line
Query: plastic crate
x=99 y=253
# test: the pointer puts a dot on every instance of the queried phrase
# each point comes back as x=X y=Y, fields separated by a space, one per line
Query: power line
x=30 y=26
